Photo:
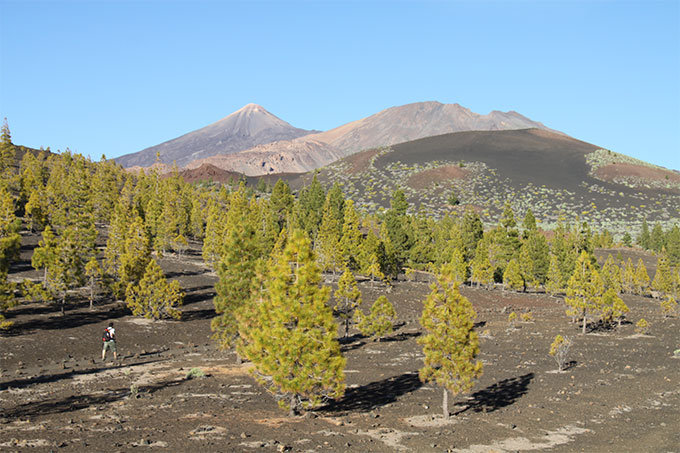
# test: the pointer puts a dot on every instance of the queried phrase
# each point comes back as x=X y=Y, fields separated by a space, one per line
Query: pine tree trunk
x=293 y=405
x=63 y=304
x=445 y=403
x=347 y=325
x=584 y=324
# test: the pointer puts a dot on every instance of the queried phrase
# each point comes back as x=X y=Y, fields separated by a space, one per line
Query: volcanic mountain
x=250 y=126
x=551 y=173
x=388 y=127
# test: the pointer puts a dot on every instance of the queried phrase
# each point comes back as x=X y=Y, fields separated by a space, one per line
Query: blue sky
x=112 y=78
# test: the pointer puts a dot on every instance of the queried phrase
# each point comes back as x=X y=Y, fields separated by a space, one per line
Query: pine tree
x=135 y=258
x=628 y=277
x=663 y=279
x=93 y=273
x=566 y=248
x=612 y=307
x=236 y=271
x=471 y=232
x=641 y=278
x=327 y=243
x=627 y=240
x=451 y=344
x=422 y=251
x=657 y=240
x=395 y=223
x=281 y=203
x=373 y=270
x=512 y=277
x=379 y=322
x=584 y=289
x=350 y=241
x=611 y=275
x=529 y=224
x=535 y=258
x=7 y=154
x=310 y=206
x=480 y=268
x=154 y=297
x=644 y=239
x=554 y=283
x=673 y=245
x=10 y=240
x=459 y=268
x=507 y=237
x=214 y=230
x=347 y=298
x=293 y=342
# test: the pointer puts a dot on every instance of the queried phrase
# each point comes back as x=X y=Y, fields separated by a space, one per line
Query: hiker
x=109 y=339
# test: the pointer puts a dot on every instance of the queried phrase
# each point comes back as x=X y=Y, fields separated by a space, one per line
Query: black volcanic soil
x=523 y=156
x=620 y=392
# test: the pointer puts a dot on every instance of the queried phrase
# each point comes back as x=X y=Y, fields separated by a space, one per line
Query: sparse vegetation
x=559 y=349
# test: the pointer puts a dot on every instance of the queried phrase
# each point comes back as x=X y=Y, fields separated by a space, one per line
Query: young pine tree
x=512 y=277
x=379 y=322
x=663 y=279
x=293 y=339
x=135 y=258
x=584 y=289
x=451 y=344
x=236 y=271
x=350 y=241
x=481 y=268
x=628 y=277
x=154 y=297
x=641 y=278
x=347 y=298
x=553 y=282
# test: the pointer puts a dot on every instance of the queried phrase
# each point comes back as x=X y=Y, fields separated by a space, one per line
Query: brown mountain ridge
x=388 y=127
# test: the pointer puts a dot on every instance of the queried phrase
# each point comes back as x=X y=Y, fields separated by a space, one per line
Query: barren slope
x=250 y=126
x=388 y=127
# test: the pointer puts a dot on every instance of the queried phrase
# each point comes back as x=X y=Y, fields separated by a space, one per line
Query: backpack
x=107 y=335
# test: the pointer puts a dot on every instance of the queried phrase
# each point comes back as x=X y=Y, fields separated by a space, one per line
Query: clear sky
x=105 y=77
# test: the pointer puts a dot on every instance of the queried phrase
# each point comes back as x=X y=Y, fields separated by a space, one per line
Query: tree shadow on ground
x=78 y=402
x=195 y=297
x=604 y=326
x=401 y=337
x=175 y=274
x=569 y=365
x=69 y=321
x=499 y=395
x=51 y=378
x=376 y=394
x=193 y=315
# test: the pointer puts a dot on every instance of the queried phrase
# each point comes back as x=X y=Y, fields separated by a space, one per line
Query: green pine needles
x=154 y=297
x=451 y=344
x=292 y=341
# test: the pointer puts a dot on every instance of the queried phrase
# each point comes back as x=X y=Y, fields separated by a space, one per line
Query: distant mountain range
x=254 y=142
x=248 y=127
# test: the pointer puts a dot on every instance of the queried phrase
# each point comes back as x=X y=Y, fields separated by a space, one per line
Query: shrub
x=195 y=373
x=668 y=306
x=642 y=327
x=512 y=319
x=559 y=350
x=527 y=317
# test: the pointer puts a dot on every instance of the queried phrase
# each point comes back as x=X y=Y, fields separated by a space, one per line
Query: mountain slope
x=388 y=127
x=250 y=126
x=548 y=172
